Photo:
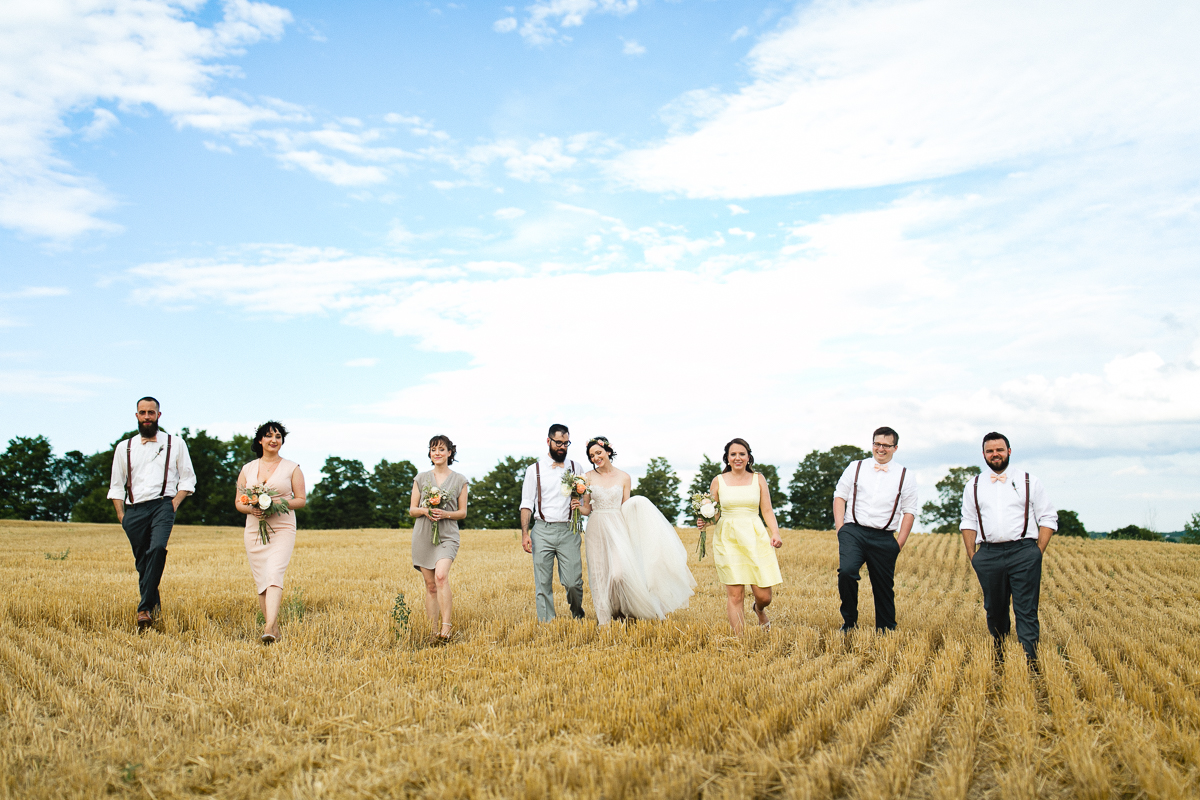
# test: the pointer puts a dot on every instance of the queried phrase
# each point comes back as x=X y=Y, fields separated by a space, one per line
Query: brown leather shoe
x=144 y=620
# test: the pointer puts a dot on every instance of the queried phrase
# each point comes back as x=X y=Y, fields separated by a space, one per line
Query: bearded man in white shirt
x=551 y=538
x=881 y=498
x=1007 y=522
x=151 y=475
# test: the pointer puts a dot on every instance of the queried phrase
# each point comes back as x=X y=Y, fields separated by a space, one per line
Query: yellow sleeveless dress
x=742 y=546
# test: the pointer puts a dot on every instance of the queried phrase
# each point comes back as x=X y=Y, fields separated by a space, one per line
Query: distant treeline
x=35 y=484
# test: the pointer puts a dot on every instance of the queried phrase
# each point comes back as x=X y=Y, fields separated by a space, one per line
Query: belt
x=1008 y=543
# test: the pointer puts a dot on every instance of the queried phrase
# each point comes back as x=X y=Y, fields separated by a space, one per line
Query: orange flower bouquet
x=575 y=486
x=262 y=496
x=432 y=497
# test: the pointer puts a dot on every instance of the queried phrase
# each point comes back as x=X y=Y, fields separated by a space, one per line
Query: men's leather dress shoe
x=144 y=620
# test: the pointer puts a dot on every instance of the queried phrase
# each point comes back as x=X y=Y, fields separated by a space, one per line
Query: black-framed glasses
x=883 y=445
x=561 y=444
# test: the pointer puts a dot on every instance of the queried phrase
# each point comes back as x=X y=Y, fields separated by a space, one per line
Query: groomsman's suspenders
x=537 y=467
x=979 y=514
x=129 y=468
x=896 y=505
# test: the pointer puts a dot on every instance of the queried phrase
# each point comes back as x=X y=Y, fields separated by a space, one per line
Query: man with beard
x=541 y=496
x=151 y=475
x=1007 y=516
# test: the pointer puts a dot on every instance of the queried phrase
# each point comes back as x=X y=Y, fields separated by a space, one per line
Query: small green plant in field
x=400 y=614
x=60 y=557
x=129 y=774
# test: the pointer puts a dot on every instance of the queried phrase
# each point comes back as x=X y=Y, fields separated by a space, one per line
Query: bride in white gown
x=637 y=567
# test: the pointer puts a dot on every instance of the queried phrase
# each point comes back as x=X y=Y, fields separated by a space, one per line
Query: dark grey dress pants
x=1011 y=571
x=878 y=549
x=148 y=526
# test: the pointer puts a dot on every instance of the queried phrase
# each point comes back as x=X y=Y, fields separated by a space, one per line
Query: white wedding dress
x=637 y=567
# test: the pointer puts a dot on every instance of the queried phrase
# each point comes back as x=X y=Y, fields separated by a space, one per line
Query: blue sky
x=670 y=223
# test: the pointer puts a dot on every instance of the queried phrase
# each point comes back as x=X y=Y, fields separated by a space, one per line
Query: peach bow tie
x=880 y=467
x=1003 y=476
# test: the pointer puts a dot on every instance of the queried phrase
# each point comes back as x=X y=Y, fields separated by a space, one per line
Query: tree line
x=35 y=484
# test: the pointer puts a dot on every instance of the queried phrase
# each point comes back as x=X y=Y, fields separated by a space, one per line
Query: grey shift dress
x=424 y=554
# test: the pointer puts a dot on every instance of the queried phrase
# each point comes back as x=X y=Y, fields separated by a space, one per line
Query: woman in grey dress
x=432 y=560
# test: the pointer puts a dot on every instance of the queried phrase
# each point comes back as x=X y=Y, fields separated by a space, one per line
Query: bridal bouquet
x=432 y=497
x=265 y=498
x=703 y=505
x=574 y=486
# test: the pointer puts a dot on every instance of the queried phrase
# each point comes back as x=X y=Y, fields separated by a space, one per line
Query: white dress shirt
x=148 y=459
x=1002 y=504
x=877 y=492
x=553 y=505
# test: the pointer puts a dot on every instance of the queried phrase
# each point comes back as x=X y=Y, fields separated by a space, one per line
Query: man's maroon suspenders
x=537 y=467
x=129 y=469
x=979 y=514
x=854 y=500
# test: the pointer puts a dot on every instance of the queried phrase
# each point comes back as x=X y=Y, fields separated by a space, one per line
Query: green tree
x=1136 y=532
x=946 y=513
x=810 y=492
x=342 y=499
x=660 y=485
x=1069 y=525
x=93 y=504
x=1191 y=530
x=29 y=486
x=778 y=498
x=217 y=464
x=709 y=469
x=495 y=499
x=392 y=483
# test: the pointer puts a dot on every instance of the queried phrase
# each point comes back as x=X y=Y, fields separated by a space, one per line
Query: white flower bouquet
x=704 y=507
x=264 y=497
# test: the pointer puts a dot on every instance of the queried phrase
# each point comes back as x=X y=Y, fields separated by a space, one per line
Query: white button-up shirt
x=877 y=491
x=1002 y=504
x=148 y=457
x=553 y=505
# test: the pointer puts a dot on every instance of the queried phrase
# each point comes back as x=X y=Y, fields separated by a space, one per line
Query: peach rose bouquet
x=575 y=486
x=433 y=497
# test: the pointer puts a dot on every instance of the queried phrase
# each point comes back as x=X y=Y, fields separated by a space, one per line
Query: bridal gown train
x=637 y=567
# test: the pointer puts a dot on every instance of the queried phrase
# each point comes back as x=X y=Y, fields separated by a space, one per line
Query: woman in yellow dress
x=742 y=547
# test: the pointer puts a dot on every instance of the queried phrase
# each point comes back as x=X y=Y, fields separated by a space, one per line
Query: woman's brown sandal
x=445 y=635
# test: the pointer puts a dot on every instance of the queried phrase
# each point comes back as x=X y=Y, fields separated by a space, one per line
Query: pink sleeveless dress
x=269 y=561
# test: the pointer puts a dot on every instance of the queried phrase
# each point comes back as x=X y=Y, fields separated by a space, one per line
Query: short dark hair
x=558 y=428
x=263 y=430
x=157 y=407
x=442 y=438
x=886 y=431
x=993 y=436
x=749 y=452
x=603 y=442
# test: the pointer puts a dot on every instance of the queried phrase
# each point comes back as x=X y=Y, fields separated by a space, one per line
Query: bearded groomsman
x=151 y=475
x=880 y=498
x=1007 y=522
x=542 y=497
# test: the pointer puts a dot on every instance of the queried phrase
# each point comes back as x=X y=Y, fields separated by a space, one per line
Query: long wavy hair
x=749 y=452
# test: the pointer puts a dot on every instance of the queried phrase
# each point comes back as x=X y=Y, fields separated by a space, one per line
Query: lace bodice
x=607 y=498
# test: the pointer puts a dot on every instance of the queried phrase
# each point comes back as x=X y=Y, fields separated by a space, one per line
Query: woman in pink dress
x=269 y=561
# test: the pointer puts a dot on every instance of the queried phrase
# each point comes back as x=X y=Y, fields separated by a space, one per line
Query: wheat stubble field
x=342 y=708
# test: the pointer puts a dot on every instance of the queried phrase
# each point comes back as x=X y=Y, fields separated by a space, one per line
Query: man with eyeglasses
x=542 y=497
x=1007 y=522
x=879 y=497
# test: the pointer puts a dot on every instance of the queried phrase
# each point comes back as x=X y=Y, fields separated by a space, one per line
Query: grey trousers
x=148 y=527
x=1011 y=570
x=554 y=540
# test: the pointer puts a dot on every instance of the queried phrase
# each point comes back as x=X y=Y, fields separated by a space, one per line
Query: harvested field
x=342 y=707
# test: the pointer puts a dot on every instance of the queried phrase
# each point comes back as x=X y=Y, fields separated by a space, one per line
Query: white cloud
x=58 y=386
x=506 y=25
x=739 y=33
x=61 y=57
x=870 y=94
x=536 y=161
x=543 y=15
x=735 y=209
x=508 y=213
x=102 y=122
x=632 y=48
x=739 y=232
x=362 y=362
x=30 y=292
